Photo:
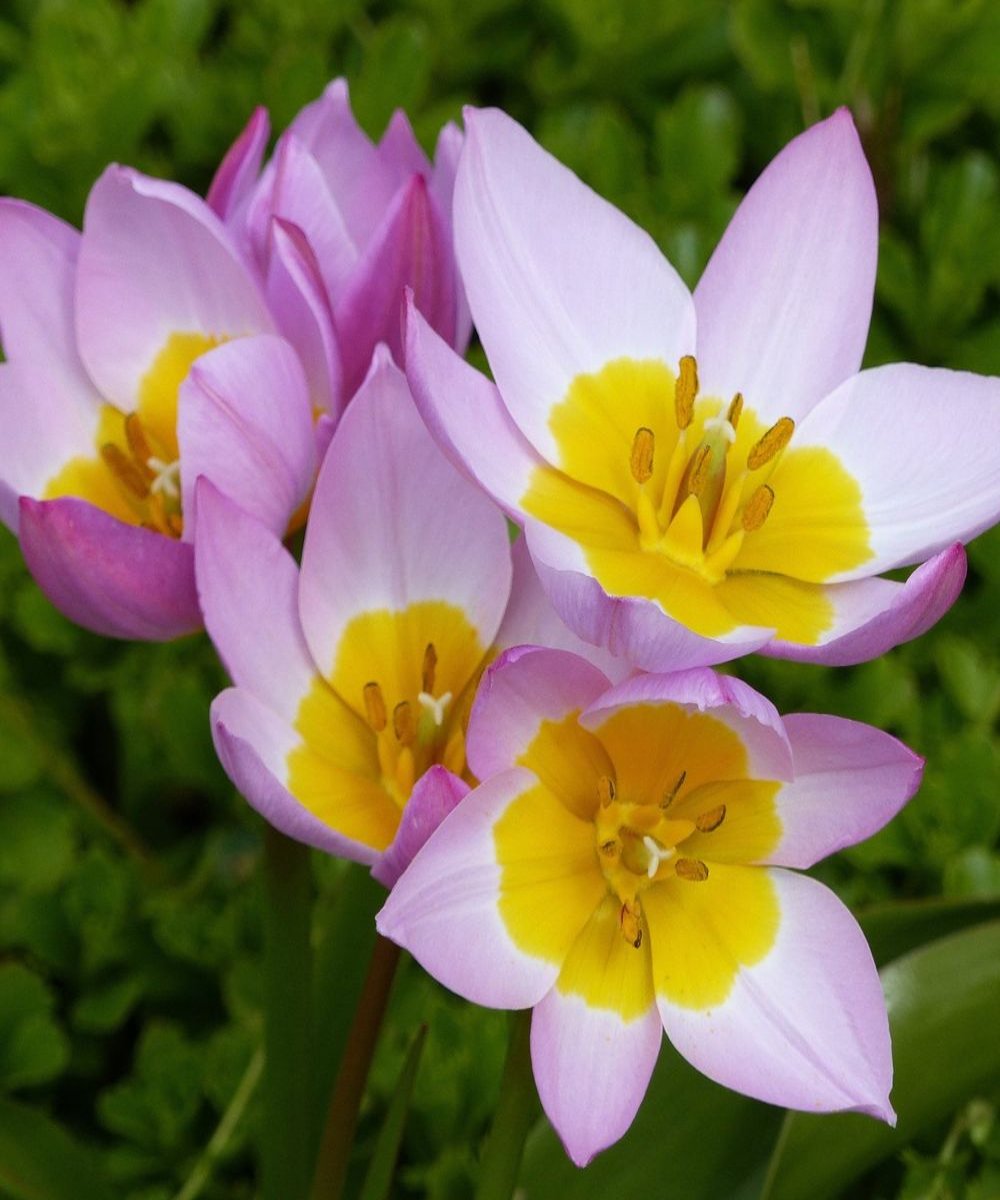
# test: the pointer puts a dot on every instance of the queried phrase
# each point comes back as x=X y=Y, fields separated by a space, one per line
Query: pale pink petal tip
x=433 y=797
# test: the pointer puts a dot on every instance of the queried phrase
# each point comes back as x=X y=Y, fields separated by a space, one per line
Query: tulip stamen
x=685 y=391
x=125 y=470
x=671 y=795
x=691 y=869
x=630 y=923
x=641 y=458
x=771 y=443
x=375 y=710
x=403 y=724
x=757 y=508
x=429 y=670
x=711 y=820
x=606 y=790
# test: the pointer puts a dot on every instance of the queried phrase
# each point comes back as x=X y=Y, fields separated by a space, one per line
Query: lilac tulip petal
x=530 y=620
x=361 y=183
x=254 y=628
x=399 y=150
x=628 y=627
x=751 y=716
x=558 y=280
x=442 y=185
x=48 y=404
x=302 y=312
x=245 y=422
x=408 y=250
x=252 y=743
x=238 y=171
x=850 y=780
x=784 y=304
x=154 y=261
x=525 y=687
x=384 y=484
x=118 y=580
x=921 y=444
x=434 y=796
x=873 y=615
x=806 y=1026
x=444 y=908
x=592 y=1069
x=466 y=416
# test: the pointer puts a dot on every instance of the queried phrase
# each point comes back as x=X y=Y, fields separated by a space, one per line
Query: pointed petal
x=385 y=485
x=155 y=260
x=631 y=628
x=49 y=405
x=850 y=780
x=234 y=180
x=785 y=302
x=445 y=908
x=253 y=744
x=873 y=615
x=399 y=149
x=466 y=416
x=728 y=700
x=531 y=620
x=245 y=423
x=300 y=196
x=592 y=1065
x=255 y=629
x=523 y=690
x=442 y=185
x=920 y=442
x=559 y=281
x=802 y=1025
x=118 y=580
x=409 y=250
x=434 y=796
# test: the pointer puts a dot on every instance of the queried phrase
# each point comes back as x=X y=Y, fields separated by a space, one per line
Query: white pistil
x=657 y=854
x=724 y=426
x=168 y=477
x=435 y=706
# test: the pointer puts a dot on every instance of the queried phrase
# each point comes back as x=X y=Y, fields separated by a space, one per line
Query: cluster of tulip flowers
x=526 y=741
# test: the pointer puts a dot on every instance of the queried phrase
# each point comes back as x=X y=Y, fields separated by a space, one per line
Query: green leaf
x=897 y=927
x=944 y=1011
x=33 y=1047
x=40 y=1161
x=378 y=1181
x=691 y=1138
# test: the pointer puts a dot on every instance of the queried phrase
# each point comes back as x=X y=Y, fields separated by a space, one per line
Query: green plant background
x=130 y=908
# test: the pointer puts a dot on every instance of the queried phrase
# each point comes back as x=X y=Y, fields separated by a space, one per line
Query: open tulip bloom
x=701 y=477
x=354 y=675
x=622 y=869
x=140 y=355
x=341 y=226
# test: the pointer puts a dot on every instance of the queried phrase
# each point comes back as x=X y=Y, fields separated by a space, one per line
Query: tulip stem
x=287 y=991
x=349 y=1086
x=517 y=1109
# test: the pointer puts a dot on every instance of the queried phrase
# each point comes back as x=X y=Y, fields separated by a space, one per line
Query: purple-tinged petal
x=409 y=250
x=920 y=442
x=155 y=261
x=245 y=422
x=253 y=744
x=631 y=628
x=234 y=180
x=525 y=687
x=784 y=304
x=248 y=585
x=360 y=182
x=559 y=282
x=466 y=416
x=434 y=796
x=805 y=1027
x=298 y=299
x=592 y=1069
x=850 y=780
x=399 y=150
x=445 y=907
x=873 y=615
x=729 y=700
x=384 y=484
x=442 y=188
x=49 y=405
x=300 y=196
x=530 y=620
x=118 y=580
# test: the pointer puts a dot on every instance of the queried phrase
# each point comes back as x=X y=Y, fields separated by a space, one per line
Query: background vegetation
x=129 y=893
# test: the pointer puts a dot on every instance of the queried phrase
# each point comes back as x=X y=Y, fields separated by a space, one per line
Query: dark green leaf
x=40 y=1161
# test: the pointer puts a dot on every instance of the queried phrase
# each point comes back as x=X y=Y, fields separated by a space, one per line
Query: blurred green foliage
x=129 y=893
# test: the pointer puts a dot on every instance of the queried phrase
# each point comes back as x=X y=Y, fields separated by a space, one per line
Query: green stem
x=287 y=991
x=349 y=1088
x=517 y=1109
x=205 y=1166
